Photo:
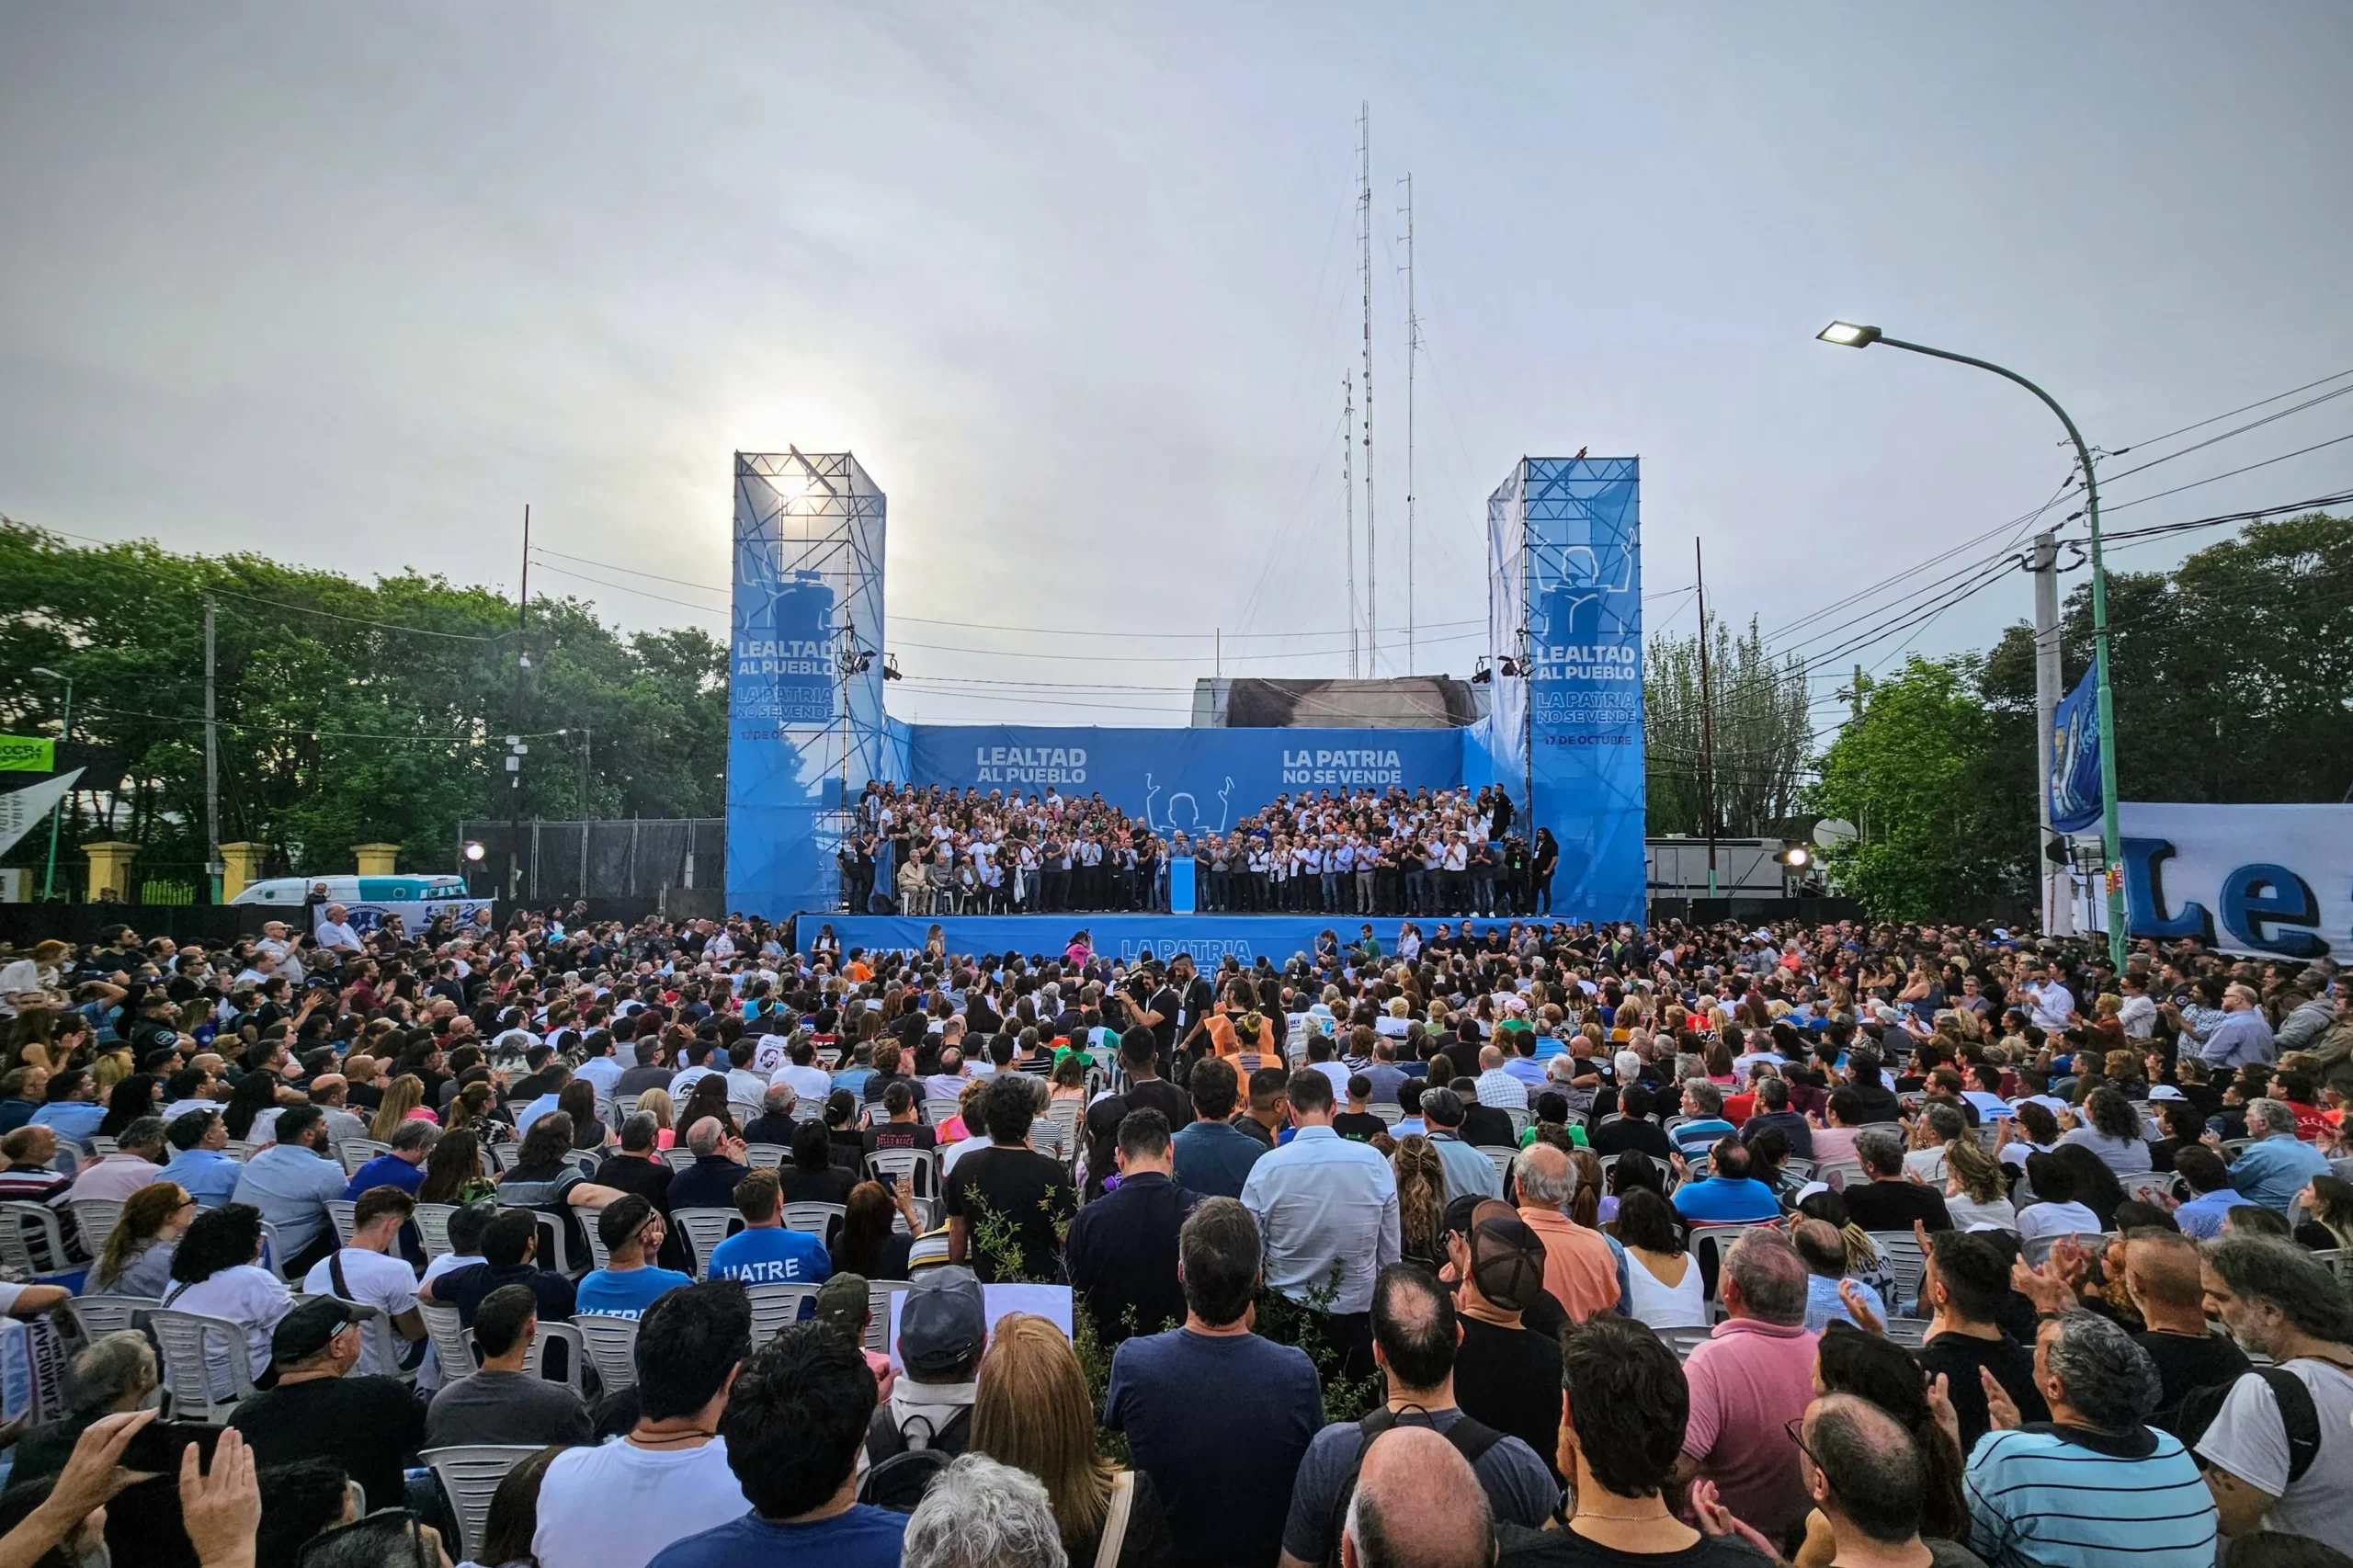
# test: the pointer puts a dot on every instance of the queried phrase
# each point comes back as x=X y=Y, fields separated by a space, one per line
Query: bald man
x=2161 y=1275
x=1865 y=1480
x=1417 y=1505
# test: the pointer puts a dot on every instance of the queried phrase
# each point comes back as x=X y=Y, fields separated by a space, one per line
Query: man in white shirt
x=809 y=1082
x=617 y=1507
x=2055 y=1005
x=368 y=1272
x=334 y=932
x=2139 y=1014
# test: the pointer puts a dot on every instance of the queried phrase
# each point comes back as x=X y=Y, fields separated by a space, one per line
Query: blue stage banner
x=1197 y=780
x=1126 y=937
x=1583 y=597
x=804 y=719
x=2074 y=759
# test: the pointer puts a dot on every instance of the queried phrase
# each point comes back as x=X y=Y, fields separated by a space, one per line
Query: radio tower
x=1413 y=349
x=1364 y=270
x=1348 y=495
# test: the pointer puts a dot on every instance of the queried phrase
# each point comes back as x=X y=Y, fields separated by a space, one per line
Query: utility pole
x=1348 y=494
x=213 y=868
x=514 y=746
x=1853 y=693
x=1413 y=351
x=1364 y=270
x=1707 y=724
x=2058 y=880
x=1217 y=654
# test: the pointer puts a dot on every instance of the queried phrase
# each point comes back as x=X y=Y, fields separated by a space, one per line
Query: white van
x=417 y=900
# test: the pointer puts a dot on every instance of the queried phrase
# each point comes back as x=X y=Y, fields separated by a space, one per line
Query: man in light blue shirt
x=1818 y=1243
x=557 y=1077
x=290 y=1182
x=2201 y=1218
x=2242 y=1038
x=603 y=1068
x=1328 y=1207
x=72 y=1107
x=2276 y=1166
x=1468 y=1172
x=197 y=1138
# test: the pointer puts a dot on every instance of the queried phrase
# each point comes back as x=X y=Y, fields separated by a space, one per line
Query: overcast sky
x=350 y=285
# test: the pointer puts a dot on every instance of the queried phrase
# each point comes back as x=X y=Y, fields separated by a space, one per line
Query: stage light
x=1847 y=335
x=474 y=851
x=1798 y=857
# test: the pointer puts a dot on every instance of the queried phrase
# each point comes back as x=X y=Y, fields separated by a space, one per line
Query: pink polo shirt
x=1746 y=1382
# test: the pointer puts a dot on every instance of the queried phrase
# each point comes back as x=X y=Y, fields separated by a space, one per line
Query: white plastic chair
x=776 y=1307
x=817 y=1219
x=103 y=1146
x=1905 y=1259
x=705 y=1228
x=95 y=1219
x=452 y=1342
x=610 y=1343
x=357 y=1152
x=433 y=1228
x=339 y=1215
x=765 y=1156
x=2038 y=1251
x=469 y=1476
x=877 y=1300
x=25 y=1227
x=678 y=1158
x=182 y=1337
x=1390 y=1112
x=102 y=1314
x=1684 y=1340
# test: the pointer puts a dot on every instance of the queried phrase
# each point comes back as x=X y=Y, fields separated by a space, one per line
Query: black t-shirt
x=1510 y=1379
x=831 y=1184
x=2186 y=1361
x=1960 y=1355
x=1025 y=1191
x=1524 y=1548
x=371 y=1425
x=1103 y=1119
x=1360 y=1126
x=1893 y=1205
x=901 y=1135
x=1644 y=1136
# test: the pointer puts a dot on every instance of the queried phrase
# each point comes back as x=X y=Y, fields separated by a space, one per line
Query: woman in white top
x=216 y=1273
x=2054 y=1212
x=2111 y=1128
x=1975 y=1190
x=1663 y=1284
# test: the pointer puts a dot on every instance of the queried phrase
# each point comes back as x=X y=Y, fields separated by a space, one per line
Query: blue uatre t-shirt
x=1222 y=1466
x=626 y=1293
x=863 y=1537
x=771 y=1257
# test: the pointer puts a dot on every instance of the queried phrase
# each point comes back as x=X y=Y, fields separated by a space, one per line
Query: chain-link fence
x=637 y=857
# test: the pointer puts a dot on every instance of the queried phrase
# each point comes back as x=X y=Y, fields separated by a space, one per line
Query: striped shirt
x=2058 y=1496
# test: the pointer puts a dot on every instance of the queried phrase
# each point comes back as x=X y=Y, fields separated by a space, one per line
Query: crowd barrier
x=1127 y=938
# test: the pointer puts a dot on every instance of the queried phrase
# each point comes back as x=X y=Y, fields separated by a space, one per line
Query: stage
x=1127 y=938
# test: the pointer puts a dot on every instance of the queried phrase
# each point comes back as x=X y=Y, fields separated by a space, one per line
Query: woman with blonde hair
x=137 y=1258
x=1976 y=1192
x=1421 y=1201
x=1032 y=1410
x=403 y=1100
x=656 y=1103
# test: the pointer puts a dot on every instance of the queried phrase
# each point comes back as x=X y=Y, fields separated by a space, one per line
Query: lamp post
x=64 y=733
x=1847 y=335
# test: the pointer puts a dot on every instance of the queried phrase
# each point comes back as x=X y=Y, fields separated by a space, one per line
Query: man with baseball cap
x=847 y=1305
x=943 y=1328
x=310 y=1407
x=1509 y=1359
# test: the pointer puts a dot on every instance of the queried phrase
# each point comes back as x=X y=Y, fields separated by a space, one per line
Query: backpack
x=1471 y=1439
x=2298 y=1414
x=914 y=1454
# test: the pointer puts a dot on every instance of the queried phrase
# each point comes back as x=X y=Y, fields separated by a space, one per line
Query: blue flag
x=2074 y=759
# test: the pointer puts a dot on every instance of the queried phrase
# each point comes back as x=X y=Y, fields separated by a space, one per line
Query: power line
x=2152 y=440
x=2241 y=430
x=2234 y=473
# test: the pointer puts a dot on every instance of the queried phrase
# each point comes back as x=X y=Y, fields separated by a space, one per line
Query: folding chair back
x=103 y=1314
x=611 y=1344
x=775 y=1307
x=357 y=1152
x=339 y=1214
x=183 y=1338
x=1909 y=1264
x=705 y=1229
x=433 y=1227
x=452 y=1342
x=95 y=1218
x=31 y=1241
x=878 y=1300
x=470 y=1477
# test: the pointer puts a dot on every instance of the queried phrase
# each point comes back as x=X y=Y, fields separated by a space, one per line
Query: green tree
x=1763 y=734
x=1913 y=773
x=348 y=712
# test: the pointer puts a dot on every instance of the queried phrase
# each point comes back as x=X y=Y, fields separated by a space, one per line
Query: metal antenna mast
x=1413 y=349
x=1348 y=494
x=1364 y=270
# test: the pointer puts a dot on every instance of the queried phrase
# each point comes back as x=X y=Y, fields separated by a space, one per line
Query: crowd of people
x=1832 y=1245
x=928 y=849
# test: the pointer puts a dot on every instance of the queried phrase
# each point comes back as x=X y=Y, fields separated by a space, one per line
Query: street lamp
x=64 y=733
x=1848 y=334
